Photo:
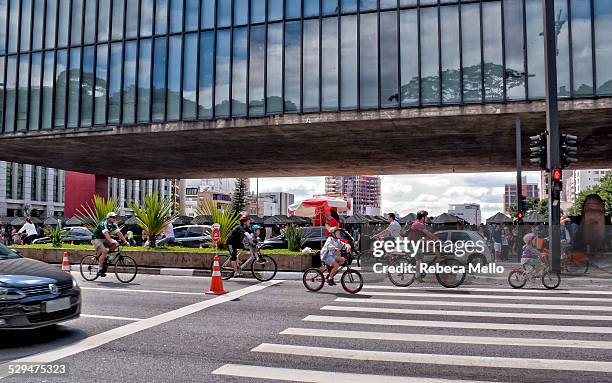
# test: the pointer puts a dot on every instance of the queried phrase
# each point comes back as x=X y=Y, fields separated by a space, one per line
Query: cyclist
x=530 y=254
x=418 y=230
x=103 y=242
x=235 y=241
x=331 y=253
x=392 y=231
x=251 y=240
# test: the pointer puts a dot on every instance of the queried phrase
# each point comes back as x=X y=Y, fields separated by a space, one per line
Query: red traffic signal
x=519 y=216
x=556 y=174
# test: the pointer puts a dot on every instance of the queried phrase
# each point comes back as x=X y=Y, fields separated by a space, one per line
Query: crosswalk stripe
x=475 y=304
x=467 y=313
x=313 y=376
x=110 y=317
x=456 y=339
x=437 y=359
x=464 y=325
x=492 y=290
x=480 y=296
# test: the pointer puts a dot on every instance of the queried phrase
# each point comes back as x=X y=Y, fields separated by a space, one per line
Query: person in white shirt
x=169 y=234
x=331 y=253
x=31 y=232
x=392 y=231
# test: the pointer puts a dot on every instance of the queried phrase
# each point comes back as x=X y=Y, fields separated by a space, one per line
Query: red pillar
x=80 y=189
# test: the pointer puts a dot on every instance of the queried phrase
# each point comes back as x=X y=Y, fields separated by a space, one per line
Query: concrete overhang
x=469 y=138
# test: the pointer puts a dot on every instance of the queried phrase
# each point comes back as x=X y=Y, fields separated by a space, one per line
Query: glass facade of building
x=84 y=63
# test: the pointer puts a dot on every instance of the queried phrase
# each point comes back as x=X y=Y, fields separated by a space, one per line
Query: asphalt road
x=164 y=329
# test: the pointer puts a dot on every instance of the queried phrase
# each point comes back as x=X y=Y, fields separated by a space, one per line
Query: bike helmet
x=333 y=229
x=528 y=237
x=255 y=227
x=244 y=217
x=421 y=213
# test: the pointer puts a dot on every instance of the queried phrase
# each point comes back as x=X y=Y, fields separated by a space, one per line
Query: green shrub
x=294 y=237
x=55 y=234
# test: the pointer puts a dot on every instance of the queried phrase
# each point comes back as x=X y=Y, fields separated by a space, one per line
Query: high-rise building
x=469 y=212
x=128 y=192
x=530 y=190
x=270 y=203
x=195 y=190
x=577 y=181
x=363 y=190
x=31 y=187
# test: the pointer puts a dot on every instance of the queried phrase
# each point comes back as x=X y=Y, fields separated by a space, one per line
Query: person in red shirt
x=333 y=220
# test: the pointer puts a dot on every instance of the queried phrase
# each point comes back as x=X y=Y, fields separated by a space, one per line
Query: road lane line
x=437 y=359
x=477 y=296
x=455 y=339
x=464 y=325
x=140 y=291
x=491 y=290
x=313 y=376
x=110 y=317
x=494 y=314
x=131 y=328
x=475 y=304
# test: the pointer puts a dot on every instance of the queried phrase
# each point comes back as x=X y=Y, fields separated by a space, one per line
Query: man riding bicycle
x=418 y=230
x=103 y=242
x=235 y=241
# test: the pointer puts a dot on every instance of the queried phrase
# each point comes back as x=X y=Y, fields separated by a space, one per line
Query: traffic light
x=556 y=176
x=521 y=207
x=519 y=217
x=537 y=151
x=568 y=150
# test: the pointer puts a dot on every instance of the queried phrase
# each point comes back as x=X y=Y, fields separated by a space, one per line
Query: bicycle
x=125 y=267
x=262 y=271
x=519 y=276
x=351 y=280
x=407 y=267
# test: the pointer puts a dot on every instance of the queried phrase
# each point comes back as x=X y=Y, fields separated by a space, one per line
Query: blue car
x=35 y=294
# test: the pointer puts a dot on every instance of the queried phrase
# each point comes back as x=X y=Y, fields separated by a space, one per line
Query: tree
x=531 y=205
x=91 y=215
x=239 y=197
x=603 y=189
x=154 y=215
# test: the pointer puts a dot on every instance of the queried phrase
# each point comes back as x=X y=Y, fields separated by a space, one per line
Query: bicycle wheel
x=455 y=276
x=351 y=281
x=551 y=280
x=224 y=265
x=402 y=277
x=264 y=271
x=517 y=279
x=576 y=267
x=313 y=279
x=89 y=267
x=126 y=269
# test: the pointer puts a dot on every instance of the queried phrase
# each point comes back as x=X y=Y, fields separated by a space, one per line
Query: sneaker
x=261 y=260
x=238 y=275
x=331 y=282
x=101 y=273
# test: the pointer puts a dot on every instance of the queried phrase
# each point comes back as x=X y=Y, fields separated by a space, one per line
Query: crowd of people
x=10 y=235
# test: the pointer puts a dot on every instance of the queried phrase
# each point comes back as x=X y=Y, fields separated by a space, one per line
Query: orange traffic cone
x=66 y=263
x=216 y=285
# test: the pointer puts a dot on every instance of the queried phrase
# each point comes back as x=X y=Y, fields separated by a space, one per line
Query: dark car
x=312 y=236
x=77 y=235
x=35 y=294
x=189 y=236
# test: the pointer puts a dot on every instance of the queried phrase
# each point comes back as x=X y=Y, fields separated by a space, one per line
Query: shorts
x=530 y=261
x=497 y=247
x=233 y=252
x=101 y=245
x=328 y=260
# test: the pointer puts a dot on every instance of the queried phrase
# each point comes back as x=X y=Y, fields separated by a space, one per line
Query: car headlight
x=7 y=294
x=74 y=282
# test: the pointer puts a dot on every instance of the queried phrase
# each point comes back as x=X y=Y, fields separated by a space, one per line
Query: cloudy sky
x=408 y=193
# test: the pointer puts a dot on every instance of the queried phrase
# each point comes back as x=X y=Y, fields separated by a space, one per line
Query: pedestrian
x=16 y=237
x=506 y=239
x=130 y=238
x=497 y=242
x=169 y=234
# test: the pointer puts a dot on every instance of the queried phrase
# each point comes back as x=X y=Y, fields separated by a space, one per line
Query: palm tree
x=91 y=215
x=154 y=215
x=226 y=218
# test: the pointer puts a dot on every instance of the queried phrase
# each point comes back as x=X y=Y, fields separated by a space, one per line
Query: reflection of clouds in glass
x=275 y=67
x=329 y=64
x=581 y=47
x=368 y=76
x=293 y=39
x=311 y=65
x=388 y=58
x=603 y=47
x=348 y=79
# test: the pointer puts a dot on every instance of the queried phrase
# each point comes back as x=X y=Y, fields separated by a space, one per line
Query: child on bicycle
x=251 y=241
x=331 y=253
x=531 y=255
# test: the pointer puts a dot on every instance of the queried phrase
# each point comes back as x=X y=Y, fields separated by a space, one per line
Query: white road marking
x=478 y=296
x=110 y=317
x=456 y=339
x=475 y=304
x=131 y=328
x=143 y=291
x=464 y=325
x=437 y=359
x=313 y=376
x=492 y=290
x=467 y=313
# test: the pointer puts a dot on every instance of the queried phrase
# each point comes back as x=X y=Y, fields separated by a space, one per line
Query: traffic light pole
x=519 y=167
x=552 y=129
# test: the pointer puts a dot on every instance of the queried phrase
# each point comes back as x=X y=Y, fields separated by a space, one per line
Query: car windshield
x=6 y=253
